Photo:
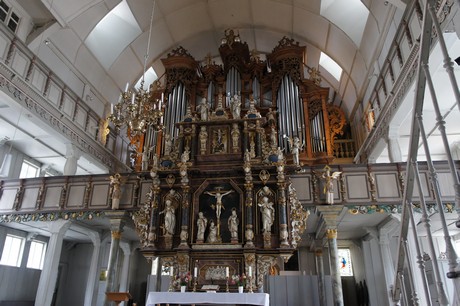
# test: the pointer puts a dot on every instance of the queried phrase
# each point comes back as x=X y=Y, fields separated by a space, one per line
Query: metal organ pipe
x=291 y=121
x=175 y=110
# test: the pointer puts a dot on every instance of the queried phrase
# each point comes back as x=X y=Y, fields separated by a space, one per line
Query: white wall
x=18 y=283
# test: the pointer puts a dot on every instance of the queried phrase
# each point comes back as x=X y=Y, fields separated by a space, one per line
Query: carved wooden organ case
x=220 y=197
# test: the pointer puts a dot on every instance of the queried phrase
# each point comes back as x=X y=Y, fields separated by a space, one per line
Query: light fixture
x=138 y=110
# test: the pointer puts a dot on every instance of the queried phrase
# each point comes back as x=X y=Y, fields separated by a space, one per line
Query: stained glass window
x=345 y=265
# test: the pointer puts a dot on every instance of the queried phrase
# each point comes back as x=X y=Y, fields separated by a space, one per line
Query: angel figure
x=145 y=158
x=115 y=182
x=329 y=184
x=296 y=147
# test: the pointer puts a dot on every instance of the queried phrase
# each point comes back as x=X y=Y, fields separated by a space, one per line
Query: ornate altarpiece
x=233 y=135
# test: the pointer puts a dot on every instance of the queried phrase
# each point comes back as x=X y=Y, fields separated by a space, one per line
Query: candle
x=250 y=271
x=226 y=271
x=127 y=86
x=134 y=98
x=111 y=108
x=195 y=272
x=171 y=271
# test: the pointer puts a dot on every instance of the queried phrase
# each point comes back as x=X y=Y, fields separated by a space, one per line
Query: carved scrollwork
x=141 y=220
x=336 y=121
x=298 y=217
x=314 y=107
x=286 y=42
x=264 y=263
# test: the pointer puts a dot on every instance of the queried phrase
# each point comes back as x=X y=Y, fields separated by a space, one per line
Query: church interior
x=276 y=152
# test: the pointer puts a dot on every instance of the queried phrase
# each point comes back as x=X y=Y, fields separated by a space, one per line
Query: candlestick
x=250 y=283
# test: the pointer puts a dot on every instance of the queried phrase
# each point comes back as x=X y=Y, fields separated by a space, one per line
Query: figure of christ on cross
x=218 y=193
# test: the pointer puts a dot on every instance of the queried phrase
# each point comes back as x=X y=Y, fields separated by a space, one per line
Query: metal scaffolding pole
x=425 y=42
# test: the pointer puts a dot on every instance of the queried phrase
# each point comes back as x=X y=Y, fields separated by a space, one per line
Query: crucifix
x=218 y=194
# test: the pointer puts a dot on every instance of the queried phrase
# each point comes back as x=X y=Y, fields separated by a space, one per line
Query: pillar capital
x=328 y=216
x=118 y=220
x=331 y=233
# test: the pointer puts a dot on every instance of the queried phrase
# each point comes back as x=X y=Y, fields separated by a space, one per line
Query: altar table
x=155 y=298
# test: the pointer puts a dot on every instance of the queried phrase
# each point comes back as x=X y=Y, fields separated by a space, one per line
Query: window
x=4 y=8
x=12 y=251
x=330 y=65
x=345 y=266
x=28 y=169
x=36 y=254
x=7 y=16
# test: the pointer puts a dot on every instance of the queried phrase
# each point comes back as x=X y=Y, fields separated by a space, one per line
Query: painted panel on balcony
x=357 y=187
x=99 y=196
x=446 y=184
x=80 y=117
x=7 y=199
x=20 y=64
x=4 y=45
x=76 y=196
x=52 y=197
x=38 y=79
x=302 y=184
x=68 y=106
x=387 y=186
x=54 y=94
x=29 y=201
x=425 y=187
x=127 y=195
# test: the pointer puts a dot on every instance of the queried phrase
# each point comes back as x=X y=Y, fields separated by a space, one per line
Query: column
x=93 y=275
x=373 y=268
x=48 y=276
x=72 y=154
x=394 y=150
x=320 y=271
x=124 y=278
x=283 y=234
x=185 y=216
x=117 y=223
x=385 y=232
x=327 y=225
x=331 y=234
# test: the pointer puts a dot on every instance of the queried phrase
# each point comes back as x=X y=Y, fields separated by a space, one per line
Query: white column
x=124 y=279
x=72 y=154
x=394 y=150
x=93 y=275
x=374 y=270
x=385 y=232
x=48 y=277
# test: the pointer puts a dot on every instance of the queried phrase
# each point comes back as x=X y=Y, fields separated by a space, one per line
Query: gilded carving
x=264 y=265
x=298 y=217
x=331 y=233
